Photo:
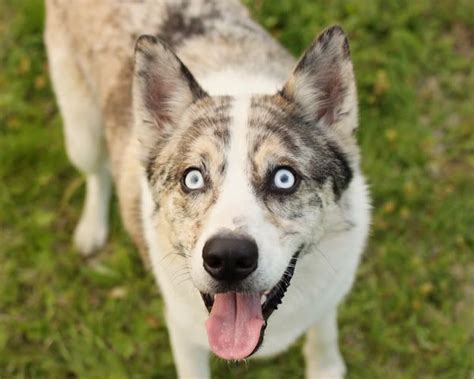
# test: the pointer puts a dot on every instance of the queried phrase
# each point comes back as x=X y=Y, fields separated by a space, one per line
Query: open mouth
x=237 y=321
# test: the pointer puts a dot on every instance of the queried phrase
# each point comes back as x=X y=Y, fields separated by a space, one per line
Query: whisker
x=182 y=254
x=334 y=271
x=170 y=254
x=181 y=275
x=184 y=280
x=181 y=269
x=298 y=291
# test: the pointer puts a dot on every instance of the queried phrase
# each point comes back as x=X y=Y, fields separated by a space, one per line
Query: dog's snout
x=229 y=258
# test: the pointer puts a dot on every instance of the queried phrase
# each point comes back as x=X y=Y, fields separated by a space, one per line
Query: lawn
x=411 y=313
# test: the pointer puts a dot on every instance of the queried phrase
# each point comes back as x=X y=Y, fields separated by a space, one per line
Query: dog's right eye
x=193 y=180
x=284 y=180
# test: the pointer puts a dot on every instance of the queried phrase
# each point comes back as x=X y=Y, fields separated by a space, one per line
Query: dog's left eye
x=193 y=180
x=284 y=179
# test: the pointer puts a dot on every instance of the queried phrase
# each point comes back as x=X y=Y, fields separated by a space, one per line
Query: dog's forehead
x=276 y=119
x=257 y=129
x=212 y=105
x=207 y=128
x=251 y=135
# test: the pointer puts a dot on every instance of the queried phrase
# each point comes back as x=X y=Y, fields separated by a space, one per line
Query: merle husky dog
x=233 y=164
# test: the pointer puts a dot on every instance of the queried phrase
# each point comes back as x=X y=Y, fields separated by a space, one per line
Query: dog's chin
x=237 y=320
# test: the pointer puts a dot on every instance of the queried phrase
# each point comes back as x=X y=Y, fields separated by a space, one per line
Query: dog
x=237 y=168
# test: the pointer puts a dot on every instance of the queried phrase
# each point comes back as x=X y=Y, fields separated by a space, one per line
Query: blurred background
x=411 y=313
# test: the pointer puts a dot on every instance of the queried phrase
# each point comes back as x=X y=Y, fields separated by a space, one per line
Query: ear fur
x=323 y=85
x=162 y=90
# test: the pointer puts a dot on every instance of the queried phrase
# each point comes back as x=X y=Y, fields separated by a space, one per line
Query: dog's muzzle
x=237 y=320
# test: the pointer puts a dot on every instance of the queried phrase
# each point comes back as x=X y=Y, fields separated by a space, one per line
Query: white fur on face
x=238 y=210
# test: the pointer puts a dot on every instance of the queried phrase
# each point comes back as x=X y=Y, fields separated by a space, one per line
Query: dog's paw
x=90 y=236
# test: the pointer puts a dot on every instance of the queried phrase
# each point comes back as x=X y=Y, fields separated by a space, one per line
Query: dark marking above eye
x=266 y=129
x=319 y=157
x=223 y=134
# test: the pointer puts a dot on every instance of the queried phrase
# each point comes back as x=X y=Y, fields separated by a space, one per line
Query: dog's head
x=243 y=185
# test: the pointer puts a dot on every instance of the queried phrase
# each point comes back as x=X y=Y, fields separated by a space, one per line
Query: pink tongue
x=234 y=325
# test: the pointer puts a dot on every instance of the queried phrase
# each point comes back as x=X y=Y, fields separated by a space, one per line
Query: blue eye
x=284 y=179
x=193 y=180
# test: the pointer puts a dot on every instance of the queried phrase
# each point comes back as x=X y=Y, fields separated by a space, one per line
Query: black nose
x=230 y=258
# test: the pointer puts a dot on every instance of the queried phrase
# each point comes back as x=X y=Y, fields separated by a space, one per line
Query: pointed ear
x=163 y=86
x=323 y=85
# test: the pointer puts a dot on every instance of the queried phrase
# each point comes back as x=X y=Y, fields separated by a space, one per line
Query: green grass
x=410 y=314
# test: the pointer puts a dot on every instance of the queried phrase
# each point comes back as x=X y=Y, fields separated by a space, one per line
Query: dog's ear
x=163 y=86
x=322 y=84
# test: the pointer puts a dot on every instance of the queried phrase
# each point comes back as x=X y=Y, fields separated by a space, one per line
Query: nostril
x=245 y=263
x=214 y=261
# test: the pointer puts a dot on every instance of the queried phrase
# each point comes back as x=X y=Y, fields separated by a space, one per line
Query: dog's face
x=243 y=185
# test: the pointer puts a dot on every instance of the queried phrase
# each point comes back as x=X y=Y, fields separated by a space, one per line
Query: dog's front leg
x=191 y=360
x=323 y=359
